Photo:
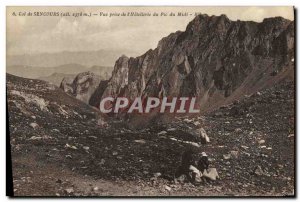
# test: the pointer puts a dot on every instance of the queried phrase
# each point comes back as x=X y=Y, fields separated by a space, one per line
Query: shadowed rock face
x=82 y=87
x=96 y=96
x=214 y=59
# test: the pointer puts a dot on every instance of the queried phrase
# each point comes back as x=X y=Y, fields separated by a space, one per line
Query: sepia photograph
x=150 y=101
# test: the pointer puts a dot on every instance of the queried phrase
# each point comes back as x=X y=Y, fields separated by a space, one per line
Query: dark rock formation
x=82 y=87
x=96 y=96
x=215 y=59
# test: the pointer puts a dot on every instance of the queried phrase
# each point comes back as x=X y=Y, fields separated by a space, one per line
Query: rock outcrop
x=82 y=87
x=215 y=59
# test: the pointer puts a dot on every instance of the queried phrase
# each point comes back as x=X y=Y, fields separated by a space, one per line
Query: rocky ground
x=62 y=147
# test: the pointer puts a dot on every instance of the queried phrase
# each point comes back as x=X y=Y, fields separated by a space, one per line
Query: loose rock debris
x=115 y=156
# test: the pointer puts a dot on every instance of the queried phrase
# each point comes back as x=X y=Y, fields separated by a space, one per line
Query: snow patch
x=30 y=98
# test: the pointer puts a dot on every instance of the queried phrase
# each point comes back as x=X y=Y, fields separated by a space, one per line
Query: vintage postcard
x=150 y=101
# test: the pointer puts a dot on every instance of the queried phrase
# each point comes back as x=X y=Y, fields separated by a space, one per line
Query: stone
x=187 y=120
x=247 y=154
x=203 y=136
x=258 y=171
x=35 y=138
x=156 y=175
x=69 y=190
x=167 y=188
x=218 y=114
x=101 y=123
x=34 y=125
x=245 y=147
x=86 y=148
x=70 y=146
x=234 y=154
x=102 y=162
x=181 y=179
x=238 y=130
x=226 y=156
x=196 y=123
x=162 y=132
x=140 y=141
x=211 y=173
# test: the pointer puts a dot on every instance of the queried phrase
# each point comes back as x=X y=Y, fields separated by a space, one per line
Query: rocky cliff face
x=215 y=59
x=82 y=87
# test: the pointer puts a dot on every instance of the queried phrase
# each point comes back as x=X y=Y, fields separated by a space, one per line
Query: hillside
x=60 y=147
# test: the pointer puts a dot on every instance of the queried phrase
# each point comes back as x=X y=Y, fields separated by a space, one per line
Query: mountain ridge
x=211 y=59
x=86 y=58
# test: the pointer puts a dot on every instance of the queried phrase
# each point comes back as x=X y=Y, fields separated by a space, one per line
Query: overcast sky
x=131 y=34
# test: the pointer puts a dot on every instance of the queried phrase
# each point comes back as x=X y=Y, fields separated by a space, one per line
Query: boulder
x=34 y=125
x=203 y=136
x=234 y=154
x=35 y=138
x=101 y=123
x=211 y=173
x=69 y=190
x=162 y=132
x=227 y=156
x=140 y=141
x=258 y=171
x=167 y=188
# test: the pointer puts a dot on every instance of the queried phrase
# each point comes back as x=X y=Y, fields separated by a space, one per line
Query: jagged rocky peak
x=82 y=86
x=120 y=78
x=215 y=59
x=276 y=22
x=204 y=22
